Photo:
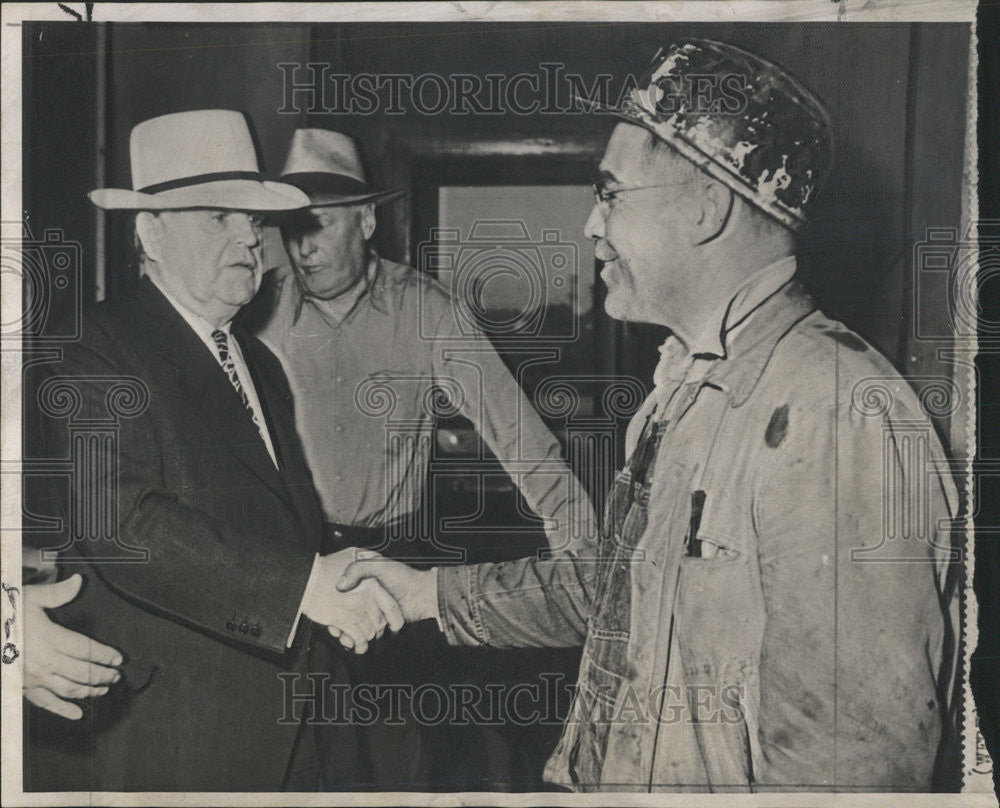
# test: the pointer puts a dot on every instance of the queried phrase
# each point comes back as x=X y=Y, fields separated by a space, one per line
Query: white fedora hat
x=327 y=166
x=199 y=159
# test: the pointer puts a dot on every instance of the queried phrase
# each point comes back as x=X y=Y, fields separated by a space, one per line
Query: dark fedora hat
x=327 y=167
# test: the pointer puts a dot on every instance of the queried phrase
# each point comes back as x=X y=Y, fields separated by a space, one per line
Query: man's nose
x=594 y=228
x=246 y=232
x=305 y=244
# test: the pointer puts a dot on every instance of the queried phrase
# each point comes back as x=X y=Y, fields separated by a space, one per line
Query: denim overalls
x=625 y=519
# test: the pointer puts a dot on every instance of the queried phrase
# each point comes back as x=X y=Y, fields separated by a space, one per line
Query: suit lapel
x=204 y=386
x=281 y=421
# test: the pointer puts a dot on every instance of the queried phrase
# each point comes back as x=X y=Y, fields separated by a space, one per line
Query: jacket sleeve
x=197 y=570
x=528 y=603
x=481 y=387
x=852 y=515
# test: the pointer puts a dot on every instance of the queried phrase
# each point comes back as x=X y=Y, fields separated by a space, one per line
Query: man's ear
x=713 y=213
x=149 y=229
x=367 y=220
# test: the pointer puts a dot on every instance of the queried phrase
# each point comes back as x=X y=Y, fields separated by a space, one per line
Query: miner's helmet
x=741 y=119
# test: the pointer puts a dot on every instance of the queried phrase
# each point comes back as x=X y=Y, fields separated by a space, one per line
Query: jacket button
x=255 y=630
x=231 y=625
x=244 y=628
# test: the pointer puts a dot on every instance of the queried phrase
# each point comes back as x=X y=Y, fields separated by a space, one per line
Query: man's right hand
x=416 y=590
x=354 y=617
x=58 y=663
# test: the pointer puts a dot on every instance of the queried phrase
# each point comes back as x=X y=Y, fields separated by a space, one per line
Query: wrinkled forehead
x=324 y=215
x=633 y=157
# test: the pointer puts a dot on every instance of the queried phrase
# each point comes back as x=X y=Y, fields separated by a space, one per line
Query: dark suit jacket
x=228 y=541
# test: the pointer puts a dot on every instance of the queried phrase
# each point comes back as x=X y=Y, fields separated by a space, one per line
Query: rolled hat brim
x=227 y=194
x=325 y=188
x=377 y=198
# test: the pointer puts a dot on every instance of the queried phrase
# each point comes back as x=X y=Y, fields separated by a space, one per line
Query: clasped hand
x=356 y=617
x=361 y=593
x=414 y=590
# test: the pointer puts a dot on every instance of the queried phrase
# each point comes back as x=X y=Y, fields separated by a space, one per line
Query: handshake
x=357 y=594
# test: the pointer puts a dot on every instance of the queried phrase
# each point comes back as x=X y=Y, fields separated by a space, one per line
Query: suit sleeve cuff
x=305 y=599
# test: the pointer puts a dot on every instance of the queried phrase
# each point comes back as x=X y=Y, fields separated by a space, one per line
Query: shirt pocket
x=719 y=620
x=713 y=588
x=719 y=530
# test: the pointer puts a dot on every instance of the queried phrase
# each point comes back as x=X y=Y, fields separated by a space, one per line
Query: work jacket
x=773 y=601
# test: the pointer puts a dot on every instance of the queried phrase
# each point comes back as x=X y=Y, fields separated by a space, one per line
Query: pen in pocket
x=692 y=544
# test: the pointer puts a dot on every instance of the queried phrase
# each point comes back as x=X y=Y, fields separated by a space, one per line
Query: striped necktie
x=222 y=343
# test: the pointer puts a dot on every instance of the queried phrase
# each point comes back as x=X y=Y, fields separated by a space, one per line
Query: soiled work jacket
x=774 y=607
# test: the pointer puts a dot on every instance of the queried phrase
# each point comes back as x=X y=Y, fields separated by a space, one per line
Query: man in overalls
x=773 y=606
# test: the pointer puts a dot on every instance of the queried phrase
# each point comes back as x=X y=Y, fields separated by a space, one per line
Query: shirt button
x=339 y=380
x=340 y=427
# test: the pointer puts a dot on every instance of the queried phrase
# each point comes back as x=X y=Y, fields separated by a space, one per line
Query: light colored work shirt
x=370 y=372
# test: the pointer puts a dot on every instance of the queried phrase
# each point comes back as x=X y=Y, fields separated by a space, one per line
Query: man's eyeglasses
x=604 y=197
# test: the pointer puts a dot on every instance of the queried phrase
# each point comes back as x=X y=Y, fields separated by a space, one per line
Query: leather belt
x=337 y=537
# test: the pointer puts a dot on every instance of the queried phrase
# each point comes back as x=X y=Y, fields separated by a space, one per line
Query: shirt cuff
x=458 y=611
x=437 y=598
x=302 y=603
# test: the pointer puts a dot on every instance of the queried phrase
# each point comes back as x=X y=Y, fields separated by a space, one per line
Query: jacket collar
x=165 y=327
x=752 y=347
x=720 y=327
x=201 y=380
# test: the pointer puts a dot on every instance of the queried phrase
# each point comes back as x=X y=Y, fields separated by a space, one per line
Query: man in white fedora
x=209 y=560
x=348 y=325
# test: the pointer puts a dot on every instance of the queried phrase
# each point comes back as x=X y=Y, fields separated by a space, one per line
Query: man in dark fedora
x=208 y=561
x=774 y=603
x=350 y=327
